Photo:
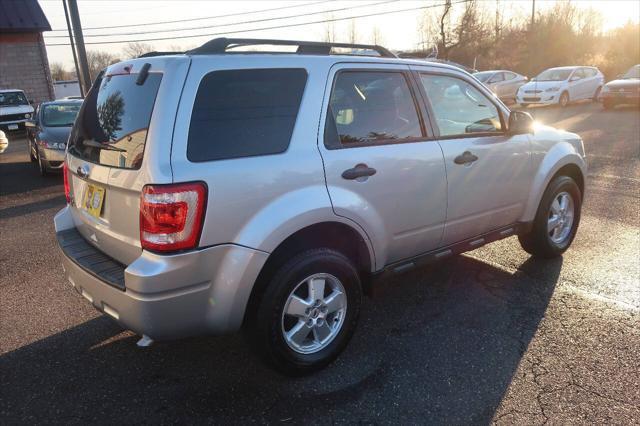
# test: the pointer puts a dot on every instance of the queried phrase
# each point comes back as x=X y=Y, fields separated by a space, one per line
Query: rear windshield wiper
x=99 y=145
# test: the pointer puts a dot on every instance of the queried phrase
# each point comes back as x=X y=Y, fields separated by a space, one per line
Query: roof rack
x=220 y=45
x=152 y=54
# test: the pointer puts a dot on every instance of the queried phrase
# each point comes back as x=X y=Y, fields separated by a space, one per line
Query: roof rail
x=220 y=45
x=152 y=54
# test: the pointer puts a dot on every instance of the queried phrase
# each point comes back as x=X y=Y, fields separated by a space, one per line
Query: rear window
x=243 y=113
x=112 y=125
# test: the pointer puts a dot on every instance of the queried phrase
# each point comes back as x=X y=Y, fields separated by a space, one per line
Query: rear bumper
x=171 y=296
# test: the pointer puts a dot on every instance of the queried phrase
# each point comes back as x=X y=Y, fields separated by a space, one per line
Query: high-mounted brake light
x=65 y=176
x=171 y=216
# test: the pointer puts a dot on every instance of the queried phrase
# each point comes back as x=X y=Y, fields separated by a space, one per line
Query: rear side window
x=243 y=113
x=371 y=107
x=112 y=125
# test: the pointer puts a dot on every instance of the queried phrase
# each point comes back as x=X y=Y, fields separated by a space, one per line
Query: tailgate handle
x=83 y=171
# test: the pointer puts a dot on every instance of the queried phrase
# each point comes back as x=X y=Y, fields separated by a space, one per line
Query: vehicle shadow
x=438 y=345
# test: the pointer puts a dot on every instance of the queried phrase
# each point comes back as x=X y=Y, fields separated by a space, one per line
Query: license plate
x=92 y=200
x=12 y=127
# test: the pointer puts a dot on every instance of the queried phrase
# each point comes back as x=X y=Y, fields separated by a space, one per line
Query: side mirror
x=520 y=123
x=31 y=101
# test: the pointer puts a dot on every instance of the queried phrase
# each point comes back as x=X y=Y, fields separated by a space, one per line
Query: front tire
x=42 y=168
x=308 y=312
x=556 y=221
x=564 y=99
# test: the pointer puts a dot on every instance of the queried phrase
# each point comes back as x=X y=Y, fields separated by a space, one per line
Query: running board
x=448 y=251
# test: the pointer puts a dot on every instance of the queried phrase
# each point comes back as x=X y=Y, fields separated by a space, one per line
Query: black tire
x=266 y=327
x=564 y=99
x=538 y=241
x=42 y=169
x=596 y=95
x=31 y=156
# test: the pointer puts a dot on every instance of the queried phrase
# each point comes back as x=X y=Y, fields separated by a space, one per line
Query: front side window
x=458 y=107
x=59 y=115
x=244 y=113
x=553 y=74
x=371 y=106
x=509 y=76
x=497 y=78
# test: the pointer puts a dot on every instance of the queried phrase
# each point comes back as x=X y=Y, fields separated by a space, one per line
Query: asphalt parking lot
x=489 y=336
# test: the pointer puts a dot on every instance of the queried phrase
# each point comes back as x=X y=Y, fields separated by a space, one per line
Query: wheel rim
x=314 y=313
x=560 y=220
x=564 y=99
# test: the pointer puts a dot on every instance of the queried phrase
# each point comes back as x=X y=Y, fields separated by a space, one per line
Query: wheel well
x=574 y=172
x=334 y=235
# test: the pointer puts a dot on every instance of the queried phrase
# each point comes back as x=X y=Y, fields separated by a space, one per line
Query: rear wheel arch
x=333 y=235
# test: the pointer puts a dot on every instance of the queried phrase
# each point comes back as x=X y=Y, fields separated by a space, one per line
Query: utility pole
x=85 y=78
x=73 y=45
x=533 y=13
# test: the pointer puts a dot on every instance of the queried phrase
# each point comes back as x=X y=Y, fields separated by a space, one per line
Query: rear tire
x=596 y=95
x=308 y=312
x=544 y=239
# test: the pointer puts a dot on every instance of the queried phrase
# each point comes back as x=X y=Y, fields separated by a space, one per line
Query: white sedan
x=503 y=83
x=562 y=85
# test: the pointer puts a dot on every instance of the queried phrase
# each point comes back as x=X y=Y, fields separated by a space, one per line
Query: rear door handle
x=359 y=171
x=465 y=158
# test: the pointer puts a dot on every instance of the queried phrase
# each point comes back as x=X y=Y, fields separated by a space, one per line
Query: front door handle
x=359 y=171
x=465 y=158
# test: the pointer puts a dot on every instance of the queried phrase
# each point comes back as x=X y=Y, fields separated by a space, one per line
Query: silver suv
x=224 y=189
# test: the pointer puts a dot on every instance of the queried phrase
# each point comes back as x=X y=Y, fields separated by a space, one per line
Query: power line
x=251 y=12
x=255 y=21
x=269 y=28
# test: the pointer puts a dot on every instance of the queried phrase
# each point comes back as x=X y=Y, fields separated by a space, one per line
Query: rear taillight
x=65 y=176
x=171 y=216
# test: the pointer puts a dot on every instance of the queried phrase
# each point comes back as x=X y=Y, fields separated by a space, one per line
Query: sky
x=398 y=30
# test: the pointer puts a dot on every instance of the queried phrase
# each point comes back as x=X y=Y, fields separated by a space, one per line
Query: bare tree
x=353 y=32
x=376 y=36
x=329 y=30
x=59 y=72
x=99 y=60
x=135 y=49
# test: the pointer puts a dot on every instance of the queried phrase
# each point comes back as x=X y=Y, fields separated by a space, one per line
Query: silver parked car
x=217 y=190
x=48 y=133
x=503 y=83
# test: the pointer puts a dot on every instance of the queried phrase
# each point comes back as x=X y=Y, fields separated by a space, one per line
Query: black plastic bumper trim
x=90 y=259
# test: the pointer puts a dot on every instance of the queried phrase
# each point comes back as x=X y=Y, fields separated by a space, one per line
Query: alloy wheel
x=560 y=219
x=314 y=313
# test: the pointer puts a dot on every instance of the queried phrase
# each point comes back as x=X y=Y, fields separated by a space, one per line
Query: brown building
x=23 y=57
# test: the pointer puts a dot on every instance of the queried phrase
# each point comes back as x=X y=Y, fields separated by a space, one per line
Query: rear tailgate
x=120 y=142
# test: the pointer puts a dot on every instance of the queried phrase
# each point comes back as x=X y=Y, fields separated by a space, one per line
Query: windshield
x=60 y=115
x=13 y=99
x=554 y=74
x=634 y=72
x=112 y=125
x=483 y=76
